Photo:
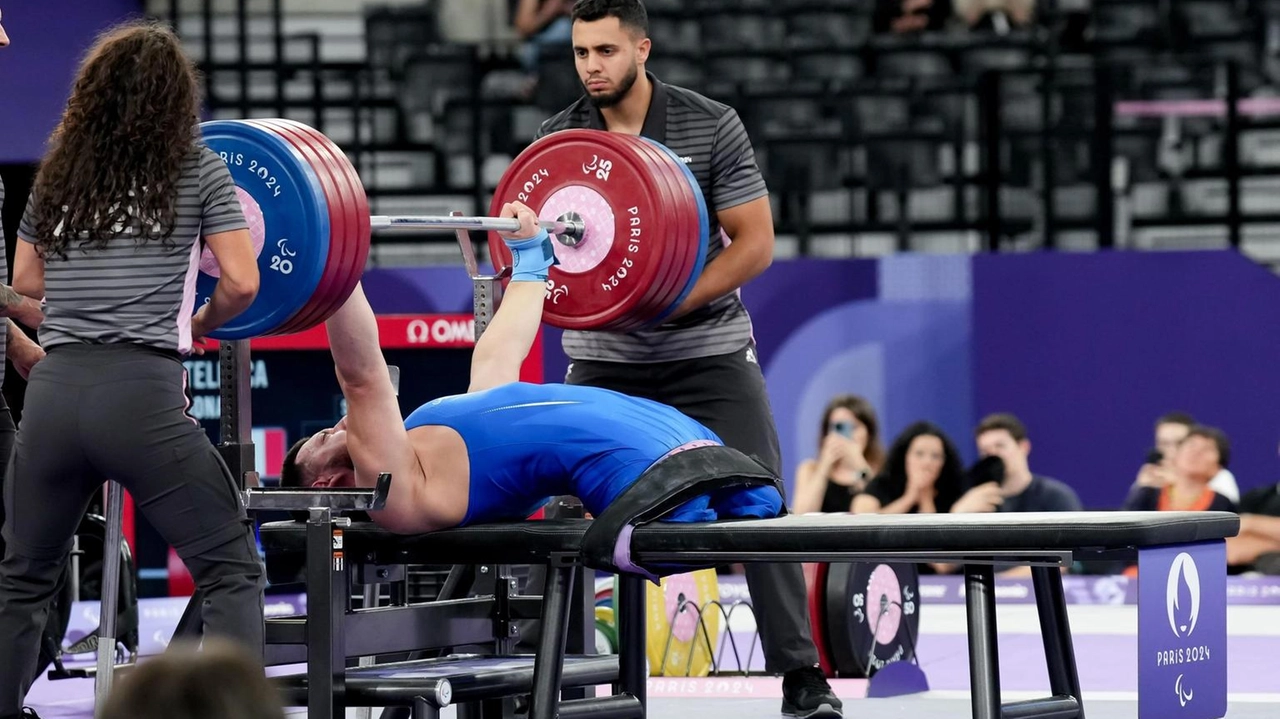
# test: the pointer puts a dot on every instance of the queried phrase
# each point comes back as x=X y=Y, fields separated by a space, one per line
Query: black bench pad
x=534 y=542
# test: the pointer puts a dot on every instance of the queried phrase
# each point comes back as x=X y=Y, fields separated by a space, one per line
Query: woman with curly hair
x=124 y=203
x=922 y=474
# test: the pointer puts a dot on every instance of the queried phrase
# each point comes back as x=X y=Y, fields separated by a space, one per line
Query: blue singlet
x=530 y=442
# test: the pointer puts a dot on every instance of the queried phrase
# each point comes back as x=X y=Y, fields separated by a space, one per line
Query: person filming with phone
x=849 y=454
x=1016 y=489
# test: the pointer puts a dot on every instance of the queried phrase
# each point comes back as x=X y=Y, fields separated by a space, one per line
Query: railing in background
x=995 y=224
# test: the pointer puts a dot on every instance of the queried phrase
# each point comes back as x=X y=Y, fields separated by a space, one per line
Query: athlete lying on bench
x=506 y=447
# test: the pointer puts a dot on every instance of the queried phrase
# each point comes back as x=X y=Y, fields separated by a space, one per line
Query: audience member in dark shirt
x=1004 y=436
x=922 y=473
x=1257 y=546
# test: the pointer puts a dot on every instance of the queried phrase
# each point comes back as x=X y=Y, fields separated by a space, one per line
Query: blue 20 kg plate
x=295 y=220
x=704 y=226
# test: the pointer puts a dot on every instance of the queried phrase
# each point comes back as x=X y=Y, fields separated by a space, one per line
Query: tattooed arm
x=24 y=309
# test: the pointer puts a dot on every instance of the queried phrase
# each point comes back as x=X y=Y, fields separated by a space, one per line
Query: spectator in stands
x=849 y=454
x=922 y=474
x=911 y=16
x=1199 y=457
x=1257 y=546
x=1004 y=436
x=218 y=682
x=542 y=24
x=999 y=16
x=1158 y=472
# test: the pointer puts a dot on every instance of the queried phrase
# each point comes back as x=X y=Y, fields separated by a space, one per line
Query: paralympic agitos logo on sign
x=1182 y=604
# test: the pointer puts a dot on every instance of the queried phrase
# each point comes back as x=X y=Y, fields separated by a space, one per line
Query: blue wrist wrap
x=531 y=258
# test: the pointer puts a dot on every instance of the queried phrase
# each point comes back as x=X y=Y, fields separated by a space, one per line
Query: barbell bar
x=629 y=217
x=568 y=230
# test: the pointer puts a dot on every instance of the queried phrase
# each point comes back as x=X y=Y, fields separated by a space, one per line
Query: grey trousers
x=98 y=412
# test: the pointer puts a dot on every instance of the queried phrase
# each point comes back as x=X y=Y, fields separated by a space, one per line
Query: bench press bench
x=332 y=554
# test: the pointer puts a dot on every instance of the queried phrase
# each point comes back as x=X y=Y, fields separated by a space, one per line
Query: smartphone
x=844 y=429
x=1155 y=457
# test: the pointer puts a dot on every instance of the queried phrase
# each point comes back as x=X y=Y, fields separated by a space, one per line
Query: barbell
x=628 y=217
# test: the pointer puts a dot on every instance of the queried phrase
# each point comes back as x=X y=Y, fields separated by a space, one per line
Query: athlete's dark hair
x=116 y=156
x=630 y=13
x=291 y=474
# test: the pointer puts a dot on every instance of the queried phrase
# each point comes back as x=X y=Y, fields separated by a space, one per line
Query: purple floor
x=1105 y=640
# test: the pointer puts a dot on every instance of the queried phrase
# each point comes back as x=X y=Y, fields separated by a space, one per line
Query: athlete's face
x=4 y=37
x=325 y=458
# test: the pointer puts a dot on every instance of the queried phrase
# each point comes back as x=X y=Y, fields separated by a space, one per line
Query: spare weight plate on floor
x=679 y=645
x=873 y=615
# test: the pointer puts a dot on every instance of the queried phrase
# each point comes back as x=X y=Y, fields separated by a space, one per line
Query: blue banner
x=1182 y=632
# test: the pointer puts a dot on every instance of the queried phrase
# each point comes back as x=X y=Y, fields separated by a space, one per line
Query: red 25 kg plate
x=609 y=274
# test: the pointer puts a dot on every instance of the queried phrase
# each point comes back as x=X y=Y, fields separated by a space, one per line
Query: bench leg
x=984 y=660
x=422 y=709
x=632 y=648
x=1059 y=652
x=327 y=590
x=548 y=664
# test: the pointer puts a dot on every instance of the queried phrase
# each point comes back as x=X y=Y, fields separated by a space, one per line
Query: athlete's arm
x=507 y=340
x=376 y=437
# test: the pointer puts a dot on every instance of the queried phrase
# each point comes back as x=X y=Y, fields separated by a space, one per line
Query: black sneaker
x=807 y=695
x=29 y=713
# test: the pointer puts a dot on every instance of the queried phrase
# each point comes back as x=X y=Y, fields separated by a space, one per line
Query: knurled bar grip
x=569 y=228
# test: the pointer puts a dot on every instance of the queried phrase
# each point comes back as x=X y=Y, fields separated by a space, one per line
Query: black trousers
x=727 y=394
x=98 y=412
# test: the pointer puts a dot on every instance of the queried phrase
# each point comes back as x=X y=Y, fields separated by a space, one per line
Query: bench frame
x=334 y=631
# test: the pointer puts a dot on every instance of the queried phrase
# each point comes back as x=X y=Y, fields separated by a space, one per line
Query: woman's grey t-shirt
x=137 y=293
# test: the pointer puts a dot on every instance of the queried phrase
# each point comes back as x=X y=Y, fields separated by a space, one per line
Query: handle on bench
x=338 y=499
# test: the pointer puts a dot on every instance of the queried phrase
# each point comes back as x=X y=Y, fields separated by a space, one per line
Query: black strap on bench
x=664 y=487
